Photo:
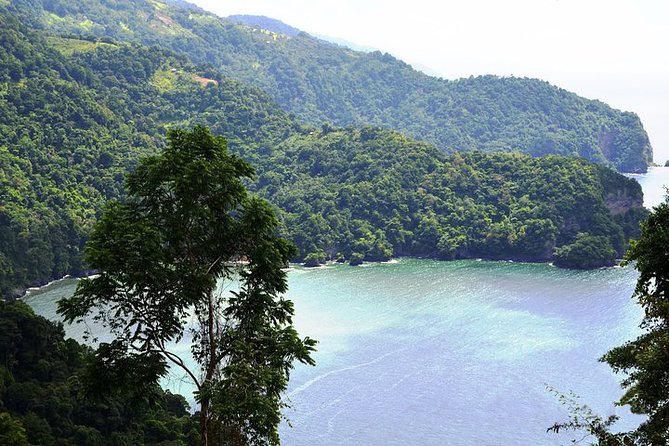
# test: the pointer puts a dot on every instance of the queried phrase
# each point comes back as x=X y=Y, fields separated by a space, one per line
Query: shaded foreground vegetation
x=642 y=361
x=44 y=399
x=187 y=230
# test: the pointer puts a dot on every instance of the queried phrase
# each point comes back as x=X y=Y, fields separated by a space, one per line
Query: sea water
x=422 y=352
x=427 y=352
x=654 y=184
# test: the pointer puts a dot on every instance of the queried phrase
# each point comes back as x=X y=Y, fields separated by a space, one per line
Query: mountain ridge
x=265 y=22
x=320 y=83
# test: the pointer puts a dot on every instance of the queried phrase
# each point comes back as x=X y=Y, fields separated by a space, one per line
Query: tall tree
x=187 y=225
x=646 y=359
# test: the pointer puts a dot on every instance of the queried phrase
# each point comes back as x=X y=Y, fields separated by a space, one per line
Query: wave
x=313 y=381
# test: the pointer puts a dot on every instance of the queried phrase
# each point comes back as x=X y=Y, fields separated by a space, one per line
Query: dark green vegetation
x=586 y=251
x=187 y=225
x=76 y=115
x=377 y=193
x=321 y=83
x=43 y=394
x=74 y=118
x=645 y=359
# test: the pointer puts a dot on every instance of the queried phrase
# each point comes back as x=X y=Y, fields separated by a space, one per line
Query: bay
x=461 y=353
x=427 y=352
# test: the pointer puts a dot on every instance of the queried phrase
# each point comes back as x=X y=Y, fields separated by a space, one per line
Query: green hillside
x=322 y=83
x=43 y=399
x=76 y=115
x=377 y=193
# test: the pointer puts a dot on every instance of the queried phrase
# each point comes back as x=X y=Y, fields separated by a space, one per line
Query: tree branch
x=174 y=358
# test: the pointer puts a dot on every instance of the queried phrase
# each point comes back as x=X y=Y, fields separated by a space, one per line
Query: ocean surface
x=421 y=352
x=653 y=183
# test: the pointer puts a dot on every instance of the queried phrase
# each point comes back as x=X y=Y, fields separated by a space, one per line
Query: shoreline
x=29 y=291
x=398 y=259
x=392 y=261
x=32 y=289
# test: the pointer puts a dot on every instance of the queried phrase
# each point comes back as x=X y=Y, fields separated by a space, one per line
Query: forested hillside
x=371 y=193
x=322 y=83
x=42 y=394
x=75 y=115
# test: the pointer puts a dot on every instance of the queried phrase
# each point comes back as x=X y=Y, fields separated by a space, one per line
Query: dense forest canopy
x=322 y=83
x=42 y=394
x=377 y=193
x=76 y=114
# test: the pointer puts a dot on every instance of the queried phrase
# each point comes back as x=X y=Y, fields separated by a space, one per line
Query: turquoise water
x=427 y=352
x=420 y=352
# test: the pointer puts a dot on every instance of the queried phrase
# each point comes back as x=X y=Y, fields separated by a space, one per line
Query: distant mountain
x=425 y=69
x=345 y=43
x=260 y=21
x=321 y=83
x=277 y=26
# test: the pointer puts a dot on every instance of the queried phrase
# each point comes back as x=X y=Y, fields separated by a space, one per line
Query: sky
x=614 y=50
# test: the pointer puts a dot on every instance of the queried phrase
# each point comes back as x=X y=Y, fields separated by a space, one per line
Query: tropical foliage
x=186 y=226
x=644 y=359
x=76 y=115
x=377 y=193
x=322 y=83
x=42 y=394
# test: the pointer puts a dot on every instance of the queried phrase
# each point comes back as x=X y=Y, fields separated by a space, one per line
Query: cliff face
x=621 y=194
x=622 y=200
x=626 y=145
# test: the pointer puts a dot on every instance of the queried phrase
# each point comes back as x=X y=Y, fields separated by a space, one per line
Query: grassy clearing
x=160 y=6
x=67 y=46
x=165 y=80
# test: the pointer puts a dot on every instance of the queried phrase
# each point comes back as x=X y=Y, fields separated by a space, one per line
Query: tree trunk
x=204 y=425
x=209 y=437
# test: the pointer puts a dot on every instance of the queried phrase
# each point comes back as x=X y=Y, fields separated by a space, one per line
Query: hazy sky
x=612 y=50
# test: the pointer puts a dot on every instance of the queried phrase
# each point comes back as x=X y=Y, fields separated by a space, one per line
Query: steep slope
x=319 y=82
x=75 y=115
x=41 y=390
x=72 y=126
x=377 y=193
